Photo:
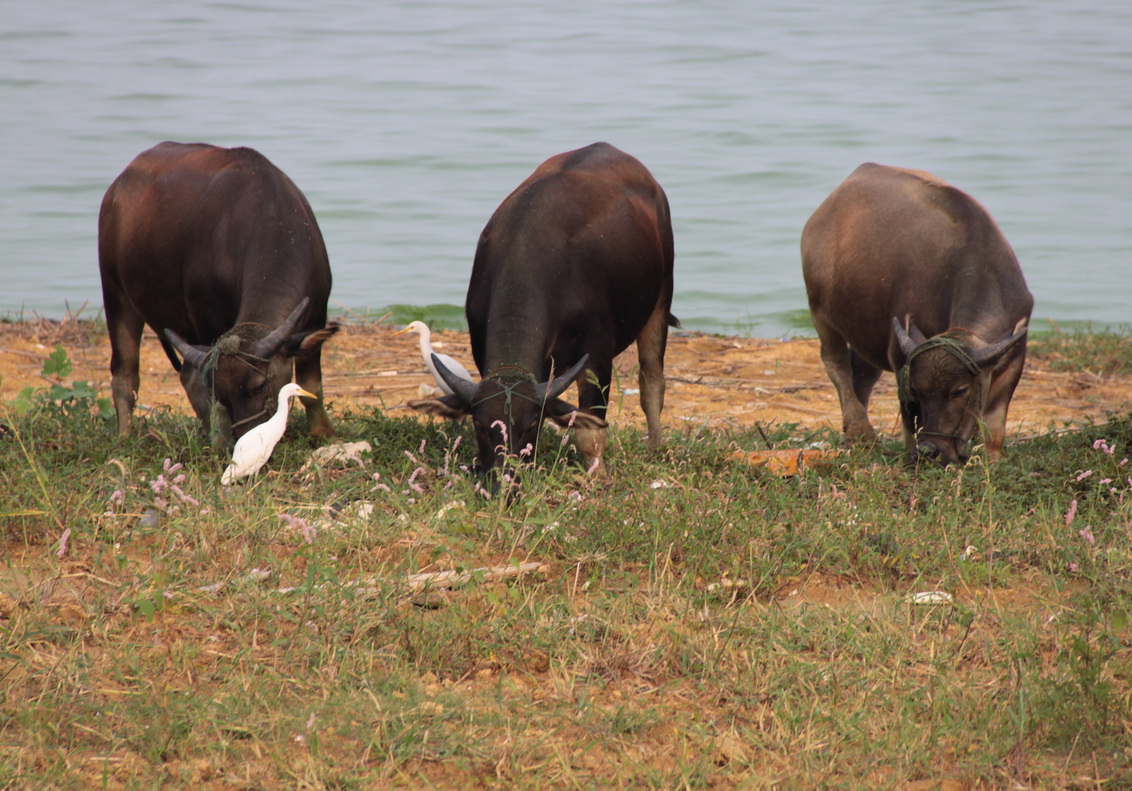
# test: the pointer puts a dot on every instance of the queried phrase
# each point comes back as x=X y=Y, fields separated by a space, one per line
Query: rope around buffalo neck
x=509 y=392
x=229 y=344
x=952 y=346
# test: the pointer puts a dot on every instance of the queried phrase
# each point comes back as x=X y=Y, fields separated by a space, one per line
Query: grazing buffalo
x=573 y=266
x=906 y=273
x=219 y=252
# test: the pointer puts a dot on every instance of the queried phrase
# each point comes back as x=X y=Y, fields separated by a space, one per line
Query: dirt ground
x=712 y=381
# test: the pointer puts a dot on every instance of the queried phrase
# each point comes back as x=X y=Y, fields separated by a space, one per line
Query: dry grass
x=701 y=623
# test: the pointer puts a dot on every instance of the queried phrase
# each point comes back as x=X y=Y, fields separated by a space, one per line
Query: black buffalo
x=906 y=273
x=573 y=266
x=218 y=252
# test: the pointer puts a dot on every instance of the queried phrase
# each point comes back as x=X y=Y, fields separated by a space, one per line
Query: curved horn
x=544 y=391
x=270 y=344
x=988 y=356
x=464 y=390
x=906 y=342
x=193 y=355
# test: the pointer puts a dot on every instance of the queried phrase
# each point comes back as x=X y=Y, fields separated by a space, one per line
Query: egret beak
x=401 y=332
x=307 y=394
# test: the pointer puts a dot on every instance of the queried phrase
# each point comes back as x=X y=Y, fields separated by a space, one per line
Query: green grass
x=702 y=624
x=1100 y=351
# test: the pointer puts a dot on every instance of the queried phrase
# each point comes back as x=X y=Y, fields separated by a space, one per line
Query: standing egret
x=254 y=448
x=453 y=366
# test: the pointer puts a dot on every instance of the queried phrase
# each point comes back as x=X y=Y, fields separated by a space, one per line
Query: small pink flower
x=1101 y=444
x=63 y=540
x=416 y=487
x=1071 y=513
x=1087 y=534
x=502 y=429
x=1084 y=475
x=298 y=523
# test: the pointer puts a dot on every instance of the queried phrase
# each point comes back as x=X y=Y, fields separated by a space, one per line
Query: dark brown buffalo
x=573 y=266
x=906 y=273
x=218 y=252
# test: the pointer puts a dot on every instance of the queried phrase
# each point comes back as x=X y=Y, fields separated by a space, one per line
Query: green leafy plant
x=73 y=399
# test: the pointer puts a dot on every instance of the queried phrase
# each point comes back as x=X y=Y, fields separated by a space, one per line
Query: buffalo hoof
x=858 y=434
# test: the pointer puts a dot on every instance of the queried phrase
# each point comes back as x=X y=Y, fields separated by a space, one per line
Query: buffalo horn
x=544 y=391
x=989 y=355
x=192 y=355
x=906 y=342
x=464 y=390
x=270 y=344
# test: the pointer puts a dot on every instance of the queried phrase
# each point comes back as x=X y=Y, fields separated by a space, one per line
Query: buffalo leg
x=308 y=373
x=865 y=377
x=998 y=400
x=838 y=361
x=651 y=344
x=593 y=397
x=125 y=328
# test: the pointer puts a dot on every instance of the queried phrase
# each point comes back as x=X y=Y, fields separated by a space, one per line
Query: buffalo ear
x=567 y=415
x=307 y=341
x=451 y=407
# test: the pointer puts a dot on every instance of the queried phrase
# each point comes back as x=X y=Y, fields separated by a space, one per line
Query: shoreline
x=713 y=382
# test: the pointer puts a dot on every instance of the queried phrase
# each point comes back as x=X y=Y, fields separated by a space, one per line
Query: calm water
x=406 y=123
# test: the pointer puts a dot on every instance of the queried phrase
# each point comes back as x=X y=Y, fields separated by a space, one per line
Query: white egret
x=453 y=366
x=254 y=448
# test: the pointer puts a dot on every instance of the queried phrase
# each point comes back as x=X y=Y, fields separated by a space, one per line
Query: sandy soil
x=712 y=381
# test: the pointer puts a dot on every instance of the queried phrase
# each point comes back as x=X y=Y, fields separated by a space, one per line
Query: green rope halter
x=954 y=347
x=228 y=345
x=507 y=389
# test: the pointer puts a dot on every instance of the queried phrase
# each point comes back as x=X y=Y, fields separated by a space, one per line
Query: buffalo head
x=507 y=411
x=943 y=388
x=234 y=384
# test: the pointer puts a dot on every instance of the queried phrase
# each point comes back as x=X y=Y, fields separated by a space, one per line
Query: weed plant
x=701 y=623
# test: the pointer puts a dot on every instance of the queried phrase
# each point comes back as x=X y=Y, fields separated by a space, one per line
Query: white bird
x=453 y=366
x=254 y=448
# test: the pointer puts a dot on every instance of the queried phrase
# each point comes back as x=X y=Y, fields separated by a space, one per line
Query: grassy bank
x=695 y=623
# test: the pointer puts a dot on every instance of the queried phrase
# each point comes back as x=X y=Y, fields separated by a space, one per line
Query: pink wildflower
x=502 y=429
x=416 y=487
x=1087 y=534
x=298 y=523
x=1071 y=513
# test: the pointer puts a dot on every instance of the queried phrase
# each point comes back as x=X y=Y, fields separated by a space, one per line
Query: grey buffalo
x=219 y=253
x=906 y=273
x=573 y=266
